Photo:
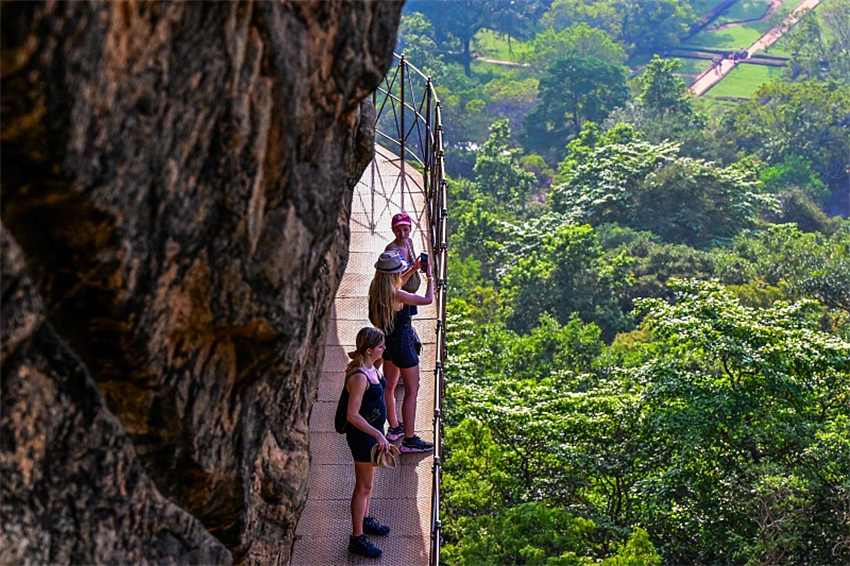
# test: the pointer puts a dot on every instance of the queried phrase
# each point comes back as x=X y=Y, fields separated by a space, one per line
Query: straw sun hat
x=390 y=262
x=385 y=458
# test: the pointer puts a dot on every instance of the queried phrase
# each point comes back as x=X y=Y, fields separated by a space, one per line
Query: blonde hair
x=382 y=299
x=368 y=337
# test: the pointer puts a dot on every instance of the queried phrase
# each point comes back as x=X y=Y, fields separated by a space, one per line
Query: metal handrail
x=426 y=148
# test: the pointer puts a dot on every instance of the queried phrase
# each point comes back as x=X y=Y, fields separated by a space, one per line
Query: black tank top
x=373 y=407
x=401 y=319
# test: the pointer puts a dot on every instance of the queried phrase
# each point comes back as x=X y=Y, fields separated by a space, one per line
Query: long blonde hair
x=368 y=337
x=382 y=299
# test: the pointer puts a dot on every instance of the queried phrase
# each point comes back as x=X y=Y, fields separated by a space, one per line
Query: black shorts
x=361 y=443
x=400 y=349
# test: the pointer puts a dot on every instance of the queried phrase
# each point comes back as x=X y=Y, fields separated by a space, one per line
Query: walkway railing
x=409 y=123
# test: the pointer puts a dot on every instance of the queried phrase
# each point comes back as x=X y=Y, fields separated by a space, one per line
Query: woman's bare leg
x=408 y=404
x=391 y=373
x=364 y=477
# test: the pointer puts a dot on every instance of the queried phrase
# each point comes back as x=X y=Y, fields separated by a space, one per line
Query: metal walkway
x=407 y=497
x=401 y=497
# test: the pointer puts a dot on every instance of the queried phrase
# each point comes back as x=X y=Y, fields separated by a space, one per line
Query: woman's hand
x=383 y=443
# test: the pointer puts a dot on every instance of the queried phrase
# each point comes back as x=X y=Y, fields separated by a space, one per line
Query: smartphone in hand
x=424 y=259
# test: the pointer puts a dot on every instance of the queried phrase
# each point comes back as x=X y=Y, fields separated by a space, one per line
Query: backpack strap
x=409 y=248
x=354 y=372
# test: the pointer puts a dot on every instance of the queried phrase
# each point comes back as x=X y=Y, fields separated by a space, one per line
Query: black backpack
x=341 y=418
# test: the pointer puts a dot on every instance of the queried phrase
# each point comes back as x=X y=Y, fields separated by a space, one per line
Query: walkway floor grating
x=401 y=496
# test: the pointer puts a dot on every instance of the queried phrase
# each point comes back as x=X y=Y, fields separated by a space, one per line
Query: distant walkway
x=402 y=496
x=500 y=62
x=712 y=76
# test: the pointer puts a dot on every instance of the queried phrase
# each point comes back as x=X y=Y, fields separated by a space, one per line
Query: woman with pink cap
x=403 y=245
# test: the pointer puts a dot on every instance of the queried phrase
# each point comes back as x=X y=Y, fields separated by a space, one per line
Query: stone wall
x=178 y=179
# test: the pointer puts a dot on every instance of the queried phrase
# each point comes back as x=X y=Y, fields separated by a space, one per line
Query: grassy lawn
x=732 y=38
x=714 y=107
x=492 y=46
x=742 y=10
x=738 y=37
x=692 y=66
x=743 y=81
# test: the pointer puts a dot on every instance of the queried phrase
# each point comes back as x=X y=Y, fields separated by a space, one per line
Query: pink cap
x=401 y=218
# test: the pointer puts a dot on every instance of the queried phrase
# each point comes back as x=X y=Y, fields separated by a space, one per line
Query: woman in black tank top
x=367 y=413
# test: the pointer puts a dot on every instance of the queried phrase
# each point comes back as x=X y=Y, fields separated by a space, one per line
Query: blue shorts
x=400 y=349
x=361 y=443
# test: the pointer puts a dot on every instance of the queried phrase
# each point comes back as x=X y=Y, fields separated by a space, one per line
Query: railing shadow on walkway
x=408 y=173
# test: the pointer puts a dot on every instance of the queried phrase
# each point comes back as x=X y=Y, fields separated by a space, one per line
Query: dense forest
x=649 y=323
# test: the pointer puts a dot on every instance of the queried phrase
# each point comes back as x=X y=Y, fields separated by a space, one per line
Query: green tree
x=498 y=172
x=637 y=26
x=416 y=43
x=653 y=262
x=511 y=97
x=577 y=40
x=794 y=172
x=737 y=398
x=809 y=265
x=562 y=273
x=574 y=91
x=456 y=23
x=810 y=120
x=649 y=187
x=599 y=15
x=662 y=92
x=808 y=49
x=653 y=26
x=637 y=551
x=517 y=19
x=834 y=16
x=481 y=233
x=485 y=530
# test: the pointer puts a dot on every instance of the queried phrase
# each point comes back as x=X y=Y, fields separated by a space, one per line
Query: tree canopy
x=649 y=312
x=575 y=90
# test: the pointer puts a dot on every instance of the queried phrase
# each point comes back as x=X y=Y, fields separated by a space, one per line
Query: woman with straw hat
x=389 y=310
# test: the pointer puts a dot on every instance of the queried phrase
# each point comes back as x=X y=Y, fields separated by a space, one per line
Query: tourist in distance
x=403 y=244
x=389 y=310
x=367 y=412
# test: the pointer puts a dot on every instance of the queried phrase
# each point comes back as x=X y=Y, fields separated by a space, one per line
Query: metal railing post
x=429 y=154
x=401 y=133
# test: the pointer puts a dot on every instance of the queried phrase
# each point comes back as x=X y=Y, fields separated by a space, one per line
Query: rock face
x=177 y=176
x=66 y=459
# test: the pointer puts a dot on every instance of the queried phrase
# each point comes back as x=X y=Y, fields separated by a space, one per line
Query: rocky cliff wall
x=177 y=176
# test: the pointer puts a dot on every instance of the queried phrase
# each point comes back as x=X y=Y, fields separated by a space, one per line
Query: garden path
x=712 y=76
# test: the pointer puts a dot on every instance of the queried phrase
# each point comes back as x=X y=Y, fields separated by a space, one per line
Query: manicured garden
x=744 y=79
x=692 y=67
x=739 y=37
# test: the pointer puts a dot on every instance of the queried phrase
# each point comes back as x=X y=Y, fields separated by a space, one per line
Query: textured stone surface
x=178 y=177
x=73 y=491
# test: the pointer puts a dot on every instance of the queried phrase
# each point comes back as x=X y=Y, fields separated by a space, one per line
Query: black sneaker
x=373 y=527
x=363 y=546
x=415 y=444
x=395 y=432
